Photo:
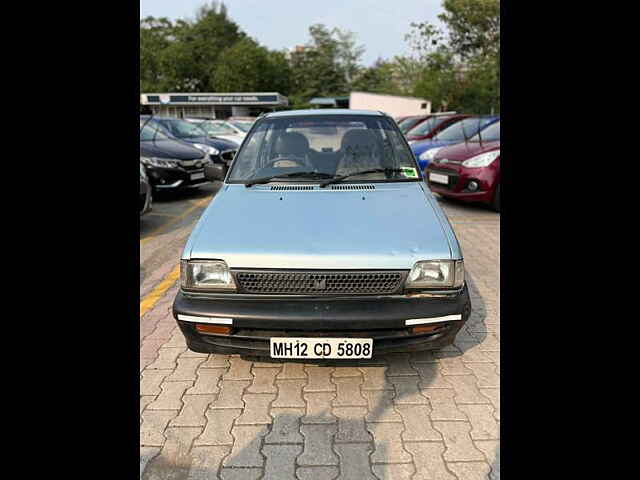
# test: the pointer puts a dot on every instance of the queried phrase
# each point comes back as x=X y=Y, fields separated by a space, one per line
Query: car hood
x=463 y=151
x=214 y=142
x=236 y=140
x=169 y=149
x=391 y=227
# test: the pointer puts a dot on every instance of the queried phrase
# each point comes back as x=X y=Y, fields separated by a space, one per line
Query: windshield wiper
x=257 y=181
x=363 y=172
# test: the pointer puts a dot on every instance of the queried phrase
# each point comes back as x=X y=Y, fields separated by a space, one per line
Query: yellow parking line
x=194 y=205
x=156 y=294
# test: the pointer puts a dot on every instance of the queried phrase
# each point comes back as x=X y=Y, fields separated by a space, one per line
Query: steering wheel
x=291 y=162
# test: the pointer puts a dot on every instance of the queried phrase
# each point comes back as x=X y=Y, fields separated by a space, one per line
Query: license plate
x=437 y=178
x=197 y=176
x=321 y=347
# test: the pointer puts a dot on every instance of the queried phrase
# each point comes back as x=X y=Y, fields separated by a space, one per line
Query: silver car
x=323 y=242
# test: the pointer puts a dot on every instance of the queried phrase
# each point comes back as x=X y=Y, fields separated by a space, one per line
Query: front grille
x=190 y=166
x=331 y=282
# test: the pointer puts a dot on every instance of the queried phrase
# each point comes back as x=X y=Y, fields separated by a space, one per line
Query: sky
x=380 y=26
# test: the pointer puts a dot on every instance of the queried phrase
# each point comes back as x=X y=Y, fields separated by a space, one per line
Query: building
x=392 y=105
x=329 y=102
x=213 y=105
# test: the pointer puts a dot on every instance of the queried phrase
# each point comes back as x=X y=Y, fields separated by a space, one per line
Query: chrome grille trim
x=320 y=282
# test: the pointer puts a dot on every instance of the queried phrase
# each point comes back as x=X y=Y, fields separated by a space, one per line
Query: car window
x=149 y=133
x=425 y=127
x=408 y=123
x=244 y=126
x=327 y=144
x=489 y=134
x=460 y=131
x=182 y=129
x=217 y=128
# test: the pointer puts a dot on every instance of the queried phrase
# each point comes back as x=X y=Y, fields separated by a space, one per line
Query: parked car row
x=458 y=153
x=174 y=152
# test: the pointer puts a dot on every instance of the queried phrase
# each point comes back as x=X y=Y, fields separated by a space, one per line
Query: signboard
x=217 y=99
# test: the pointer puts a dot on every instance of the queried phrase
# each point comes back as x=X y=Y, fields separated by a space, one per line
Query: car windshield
x=489 y=134
x=217 y=128
x=149 y=133
x=425 y=127
x=328 y=146
x=408 y=123
x=182 y=129
x=245 y=126
x=463 y=130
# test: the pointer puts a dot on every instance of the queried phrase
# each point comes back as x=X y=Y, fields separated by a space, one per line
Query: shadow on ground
x=167 y=202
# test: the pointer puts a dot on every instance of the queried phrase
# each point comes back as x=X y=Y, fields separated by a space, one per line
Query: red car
x=431 y=126
x=469 y=171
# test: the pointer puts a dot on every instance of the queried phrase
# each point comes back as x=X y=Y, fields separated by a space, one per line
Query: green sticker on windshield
x=409 y=172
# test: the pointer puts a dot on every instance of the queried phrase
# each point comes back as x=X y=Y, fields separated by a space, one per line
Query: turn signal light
x=207 y=328
x=426 y=328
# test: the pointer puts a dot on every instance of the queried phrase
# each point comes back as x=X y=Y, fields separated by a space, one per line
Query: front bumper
x=175 y=178
x=459 y=179
x=255 y=319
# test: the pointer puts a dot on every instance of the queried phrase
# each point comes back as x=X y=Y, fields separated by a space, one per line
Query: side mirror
x=215 y=171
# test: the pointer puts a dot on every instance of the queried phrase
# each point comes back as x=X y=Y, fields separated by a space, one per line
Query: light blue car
x=456 y=133
x=323 y=242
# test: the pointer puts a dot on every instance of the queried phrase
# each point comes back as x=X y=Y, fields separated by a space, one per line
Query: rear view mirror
x=215 y=171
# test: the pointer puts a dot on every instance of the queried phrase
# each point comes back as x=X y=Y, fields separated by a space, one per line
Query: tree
x=319 y=68
x=179 y=56
x=156 y=34
x=348 y=55
x=200 y=43
x=249 y=67
x=474 y=26
x=462 y=63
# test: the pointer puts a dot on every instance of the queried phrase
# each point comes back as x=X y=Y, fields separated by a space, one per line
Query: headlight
x=429 y=154
x=482 y=160
x=206 y=149
x=436 y=273
x=143 y=174
x=211 y=275
x=160 y=162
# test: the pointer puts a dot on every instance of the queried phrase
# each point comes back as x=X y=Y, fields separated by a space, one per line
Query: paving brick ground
x=428 y=415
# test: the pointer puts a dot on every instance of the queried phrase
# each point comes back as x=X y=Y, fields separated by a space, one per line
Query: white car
x=220 y=129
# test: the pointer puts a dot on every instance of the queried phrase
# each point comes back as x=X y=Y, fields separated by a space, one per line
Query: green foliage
x=462 y=64
x=248 y=67
x=316 y=71
x=457 y=67
x=474 y=26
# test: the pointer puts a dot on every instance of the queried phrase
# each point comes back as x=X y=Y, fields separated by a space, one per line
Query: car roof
x=322 y=111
